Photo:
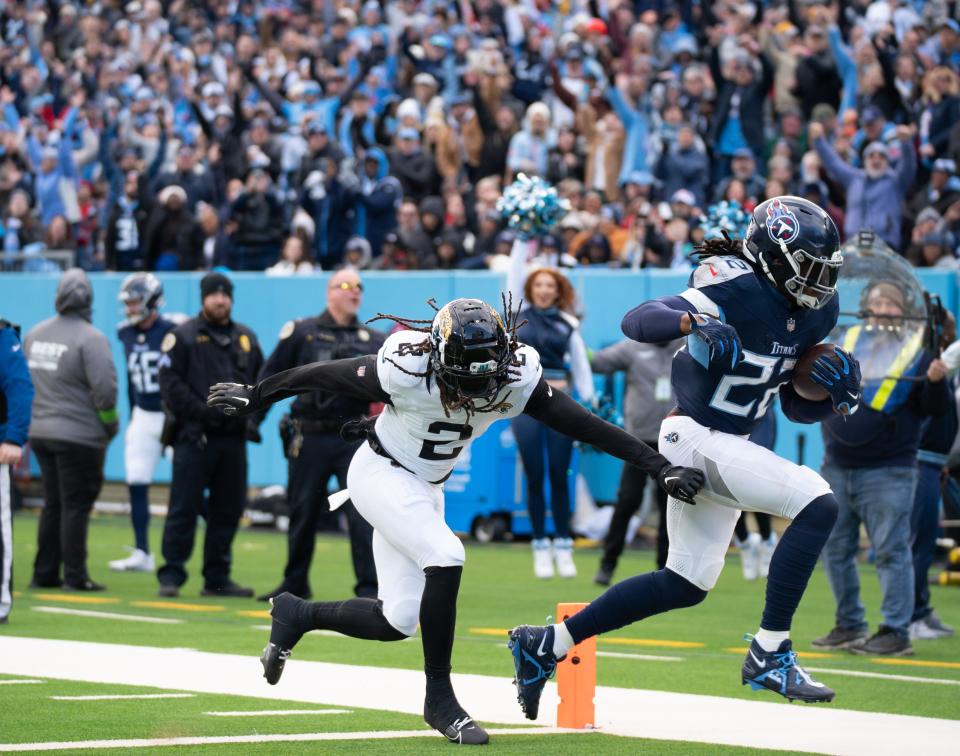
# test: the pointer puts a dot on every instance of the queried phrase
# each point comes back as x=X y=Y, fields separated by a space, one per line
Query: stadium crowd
x=290 y=135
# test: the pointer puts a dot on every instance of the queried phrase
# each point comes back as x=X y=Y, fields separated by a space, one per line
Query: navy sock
x=632 y=600
x=140 y=514
x=794 y=559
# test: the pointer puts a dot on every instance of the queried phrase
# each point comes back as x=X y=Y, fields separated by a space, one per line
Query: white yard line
x=240 y=739
x=639 y=657
x=122 y=697
x=276 y=712
x=881 y=676
x=21 y=682
x=107 y=615
x=763 y=723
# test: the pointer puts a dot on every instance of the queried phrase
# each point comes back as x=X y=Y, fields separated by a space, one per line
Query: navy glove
x=681 y=482
x=721 y=338
x=232 y=398
x=840 y=375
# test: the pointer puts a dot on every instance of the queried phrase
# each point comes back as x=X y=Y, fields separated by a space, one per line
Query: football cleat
x=454 y=723
x=778 y=671
x=750 y=556
x=286 y=629
x=138 y=561
x=533 y=663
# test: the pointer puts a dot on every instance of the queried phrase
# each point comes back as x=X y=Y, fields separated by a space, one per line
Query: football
x=802 y=382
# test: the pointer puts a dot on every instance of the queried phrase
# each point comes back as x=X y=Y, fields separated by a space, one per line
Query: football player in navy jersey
x=753 y=306
x=142 y=334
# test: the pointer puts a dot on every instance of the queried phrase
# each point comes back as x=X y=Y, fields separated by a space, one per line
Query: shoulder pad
x=401 y=358
x=718 y=270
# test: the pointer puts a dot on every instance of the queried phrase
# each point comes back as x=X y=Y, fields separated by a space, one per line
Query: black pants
x=322 y=455
x=72 y=475
x=629 y=497
x=218 y=465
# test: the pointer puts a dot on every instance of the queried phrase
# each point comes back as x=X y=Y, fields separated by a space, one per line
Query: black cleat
x=227 y=590
x=168 y=590
x=533 y=663
x=286 y=629
x=304 y=593
x=85 y=586
x=778 y=671
x=454 y=723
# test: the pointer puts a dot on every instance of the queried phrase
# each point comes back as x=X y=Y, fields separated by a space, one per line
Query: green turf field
x=498 y=591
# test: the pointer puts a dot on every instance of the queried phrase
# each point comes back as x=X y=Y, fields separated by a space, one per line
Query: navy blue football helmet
x=141 y=295
x=797 y=246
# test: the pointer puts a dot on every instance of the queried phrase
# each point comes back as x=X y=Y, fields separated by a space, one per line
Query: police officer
x=313 y=445
x=209 y=448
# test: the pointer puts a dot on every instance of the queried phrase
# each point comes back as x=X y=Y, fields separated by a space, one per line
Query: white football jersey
x=415 y=430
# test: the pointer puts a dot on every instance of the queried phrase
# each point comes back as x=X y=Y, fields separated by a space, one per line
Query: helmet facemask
x=814 y=279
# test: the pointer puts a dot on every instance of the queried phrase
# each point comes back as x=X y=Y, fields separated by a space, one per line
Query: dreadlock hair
x=454 y=402
x=723 y=247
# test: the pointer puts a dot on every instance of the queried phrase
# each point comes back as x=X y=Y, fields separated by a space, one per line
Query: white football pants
x=409 y=532
x=141 y=446
x=740 y=475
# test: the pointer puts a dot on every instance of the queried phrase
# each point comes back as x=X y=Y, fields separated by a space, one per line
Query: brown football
x=802 y=383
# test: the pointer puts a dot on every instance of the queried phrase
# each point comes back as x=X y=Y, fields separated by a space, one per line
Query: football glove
x=721 y=338
x=681 y=482
x=839 y=375
x=232 y=398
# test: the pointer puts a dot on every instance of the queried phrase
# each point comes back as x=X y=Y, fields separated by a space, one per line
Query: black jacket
x=322 y=338
x=197 y=355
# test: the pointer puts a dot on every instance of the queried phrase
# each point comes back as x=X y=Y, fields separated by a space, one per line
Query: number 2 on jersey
x=429 y=448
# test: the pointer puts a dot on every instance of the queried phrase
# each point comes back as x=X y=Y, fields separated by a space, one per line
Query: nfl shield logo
x=791 y=324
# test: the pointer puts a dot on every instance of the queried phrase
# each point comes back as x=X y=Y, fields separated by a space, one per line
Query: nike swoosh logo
x=241 y=399
x=759 y=663
x=541 y=651
x=549 y=390
x=667 y=480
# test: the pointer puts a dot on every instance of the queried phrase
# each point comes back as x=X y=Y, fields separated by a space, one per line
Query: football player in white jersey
x=444 y=382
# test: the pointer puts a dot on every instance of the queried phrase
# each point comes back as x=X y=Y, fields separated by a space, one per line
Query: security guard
x=311 y=433
x=209 y=448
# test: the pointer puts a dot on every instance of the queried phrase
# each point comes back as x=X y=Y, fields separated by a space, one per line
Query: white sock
x=562 y=640
x=770 y=640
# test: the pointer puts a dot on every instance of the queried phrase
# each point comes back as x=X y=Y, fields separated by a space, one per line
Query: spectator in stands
x=378 y=199
x=876 y=192
x=196 y=183
x=169 y=224
x=738 y=121
x=126 y=227
x=257 y=220
x=684 y=166
x=937 y=251
x=530 y=147
x=20 y=226
x=414 y=168
x=294 y=260
x=74 y=419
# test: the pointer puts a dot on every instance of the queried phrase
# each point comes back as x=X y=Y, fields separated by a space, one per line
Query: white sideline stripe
x=639 y=657
x=107 y=615
x=276 y=712
x=20 y=682
x=118 y=697
x=666 y=715
x=292 y=738
x=881 y=676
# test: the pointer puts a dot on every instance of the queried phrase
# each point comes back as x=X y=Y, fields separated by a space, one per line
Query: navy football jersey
x=142 y=349
x=773 y=335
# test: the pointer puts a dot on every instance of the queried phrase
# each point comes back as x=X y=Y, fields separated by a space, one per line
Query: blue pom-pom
x=531 y=206
x=725 y=216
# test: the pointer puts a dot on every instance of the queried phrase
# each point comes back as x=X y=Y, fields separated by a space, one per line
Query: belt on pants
x=374 y=441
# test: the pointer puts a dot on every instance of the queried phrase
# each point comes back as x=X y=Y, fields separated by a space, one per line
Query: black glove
x=722 y=339
x=681 y=483
x=232 y=398
x=841 y=377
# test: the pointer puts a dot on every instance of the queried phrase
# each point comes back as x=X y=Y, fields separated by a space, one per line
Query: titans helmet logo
x=782 y=224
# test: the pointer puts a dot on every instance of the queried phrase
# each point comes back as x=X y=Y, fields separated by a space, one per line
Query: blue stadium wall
x=266 y=304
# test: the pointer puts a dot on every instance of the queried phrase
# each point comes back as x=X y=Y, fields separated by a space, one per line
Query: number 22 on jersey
x=755 y=392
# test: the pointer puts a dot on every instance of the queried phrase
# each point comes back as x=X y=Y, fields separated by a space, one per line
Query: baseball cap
x=408 y=132
x=876 y=147
x=743 y=153
x=640 y=178
x=574 y=52
x=871 y=114
x=949 y=23
x=424 y=78
x=316 y=126
x=935 y=238
x=505 y=237
x=684 y=197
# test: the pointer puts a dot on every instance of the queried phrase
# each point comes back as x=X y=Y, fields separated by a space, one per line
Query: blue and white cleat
x=533 y=663
x=778 y=671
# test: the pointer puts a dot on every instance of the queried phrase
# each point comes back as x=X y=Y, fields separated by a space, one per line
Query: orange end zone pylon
x=576 y=678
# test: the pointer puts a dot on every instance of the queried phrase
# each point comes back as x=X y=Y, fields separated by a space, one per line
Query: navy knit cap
x=214 y=282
